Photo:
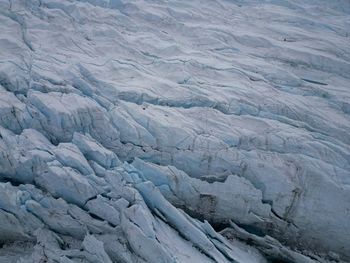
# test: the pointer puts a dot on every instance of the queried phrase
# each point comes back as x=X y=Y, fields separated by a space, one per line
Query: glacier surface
x=174 y=131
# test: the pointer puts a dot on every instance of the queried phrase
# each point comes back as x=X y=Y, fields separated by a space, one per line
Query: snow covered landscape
x=174 y=131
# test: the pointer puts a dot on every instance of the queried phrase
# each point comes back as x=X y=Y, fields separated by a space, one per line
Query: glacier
x=174 y=131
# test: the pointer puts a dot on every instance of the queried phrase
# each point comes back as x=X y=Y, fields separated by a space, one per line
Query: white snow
x=129 y=129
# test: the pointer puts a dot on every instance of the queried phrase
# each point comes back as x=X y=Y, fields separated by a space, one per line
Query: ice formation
x=174 y=131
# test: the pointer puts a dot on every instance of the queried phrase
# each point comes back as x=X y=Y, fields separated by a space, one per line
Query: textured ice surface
x=129 y=129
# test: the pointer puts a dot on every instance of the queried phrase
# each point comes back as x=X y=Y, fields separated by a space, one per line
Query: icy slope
x=125 y=124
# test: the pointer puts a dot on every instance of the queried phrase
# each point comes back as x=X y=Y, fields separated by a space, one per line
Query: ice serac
x=65 y=215
x=173 y=131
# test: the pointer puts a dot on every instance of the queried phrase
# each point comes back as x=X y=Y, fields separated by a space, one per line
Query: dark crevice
x=278 y=260
x=219 y=226
x=10 y=180
x=94 y=216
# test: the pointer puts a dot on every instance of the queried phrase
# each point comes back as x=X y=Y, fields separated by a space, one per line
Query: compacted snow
x=174 y=131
